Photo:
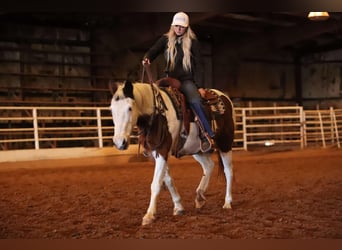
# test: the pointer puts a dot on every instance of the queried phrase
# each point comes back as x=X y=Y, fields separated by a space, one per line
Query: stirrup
x=207 y=144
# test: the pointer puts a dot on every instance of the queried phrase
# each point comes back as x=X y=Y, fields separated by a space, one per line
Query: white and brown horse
x=138 y=104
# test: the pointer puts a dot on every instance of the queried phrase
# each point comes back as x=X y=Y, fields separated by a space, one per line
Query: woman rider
x=182 y=53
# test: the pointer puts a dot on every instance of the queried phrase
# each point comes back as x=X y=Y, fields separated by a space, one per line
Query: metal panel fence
x=322 y=128
x=56 y=127
x=268 y=126
x=51 y=127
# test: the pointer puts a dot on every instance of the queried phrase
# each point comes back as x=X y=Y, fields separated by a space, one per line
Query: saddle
x=171 y=86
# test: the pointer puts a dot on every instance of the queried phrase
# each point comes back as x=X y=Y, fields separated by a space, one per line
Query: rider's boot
x=206 y=134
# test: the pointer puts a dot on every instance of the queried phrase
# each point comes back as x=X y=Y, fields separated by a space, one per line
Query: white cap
x=181 y=19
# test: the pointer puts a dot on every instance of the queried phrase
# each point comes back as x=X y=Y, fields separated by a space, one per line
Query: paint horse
x=151 y=109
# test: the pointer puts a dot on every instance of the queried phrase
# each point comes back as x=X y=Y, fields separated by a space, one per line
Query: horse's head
x=124 y=113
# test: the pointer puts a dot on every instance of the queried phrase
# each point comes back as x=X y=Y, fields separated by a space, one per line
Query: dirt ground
x=277 y=194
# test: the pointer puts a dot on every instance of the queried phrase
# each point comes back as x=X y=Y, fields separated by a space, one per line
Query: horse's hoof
x=199 y=204
x=227 y=205
x=178 y=212
x=200 y=199
x=148 y=219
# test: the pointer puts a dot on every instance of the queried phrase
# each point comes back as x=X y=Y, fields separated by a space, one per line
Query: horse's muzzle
x=121 y=144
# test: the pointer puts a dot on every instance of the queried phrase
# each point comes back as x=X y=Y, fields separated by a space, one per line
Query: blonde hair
x=186 y=46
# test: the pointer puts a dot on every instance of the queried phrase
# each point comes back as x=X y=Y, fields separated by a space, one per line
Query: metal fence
x=268 y=126
x=56 y=127
x=323 y=127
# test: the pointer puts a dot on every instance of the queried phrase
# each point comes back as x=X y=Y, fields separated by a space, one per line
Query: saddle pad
x=217 y=107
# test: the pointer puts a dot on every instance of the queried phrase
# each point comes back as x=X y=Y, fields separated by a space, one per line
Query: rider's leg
x=192 y=96
x=198 y=109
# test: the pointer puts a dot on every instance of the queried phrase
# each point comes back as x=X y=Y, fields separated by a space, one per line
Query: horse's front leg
x=158 y=177
x=207 y=165
x=178 y=208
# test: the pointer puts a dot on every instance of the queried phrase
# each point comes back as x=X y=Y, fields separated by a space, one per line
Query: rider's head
x=180 y=23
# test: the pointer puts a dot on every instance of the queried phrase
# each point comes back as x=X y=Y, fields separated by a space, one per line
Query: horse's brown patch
x=154 y=134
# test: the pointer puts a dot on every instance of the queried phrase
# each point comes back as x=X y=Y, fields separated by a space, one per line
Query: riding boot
x=207 y=141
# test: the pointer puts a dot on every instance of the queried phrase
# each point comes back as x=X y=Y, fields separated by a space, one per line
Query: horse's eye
x=117 y=98
x=130 y=109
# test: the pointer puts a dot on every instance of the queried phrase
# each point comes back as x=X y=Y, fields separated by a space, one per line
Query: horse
x=136 y=104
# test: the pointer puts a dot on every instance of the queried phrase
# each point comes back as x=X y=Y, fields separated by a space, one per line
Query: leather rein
x=156 y=95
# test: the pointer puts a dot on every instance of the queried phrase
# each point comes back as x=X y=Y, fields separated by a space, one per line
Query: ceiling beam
x=281 y=38
x=228 y=26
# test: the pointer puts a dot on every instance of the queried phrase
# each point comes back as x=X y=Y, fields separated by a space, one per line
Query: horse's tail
x=224 y=135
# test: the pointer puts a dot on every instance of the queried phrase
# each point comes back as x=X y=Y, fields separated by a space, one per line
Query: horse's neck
x=144 y=98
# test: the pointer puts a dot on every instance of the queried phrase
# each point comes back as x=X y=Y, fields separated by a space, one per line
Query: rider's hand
x=201 y=92
x=146 y=61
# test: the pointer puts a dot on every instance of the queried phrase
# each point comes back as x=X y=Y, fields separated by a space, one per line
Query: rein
x=147 y=68
x=156 y=96
x=157 y=123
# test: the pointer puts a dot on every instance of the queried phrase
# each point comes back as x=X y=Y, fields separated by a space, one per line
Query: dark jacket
x=196 y=74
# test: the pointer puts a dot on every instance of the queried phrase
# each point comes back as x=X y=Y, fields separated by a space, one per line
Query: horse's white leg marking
x=228 y=171
x=158 y=177
x=178 y=208
x=207 y=165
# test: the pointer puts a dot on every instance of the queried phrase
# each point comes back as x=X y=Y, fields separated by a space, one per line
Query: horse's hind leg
x=228 y=171
x=207 y=165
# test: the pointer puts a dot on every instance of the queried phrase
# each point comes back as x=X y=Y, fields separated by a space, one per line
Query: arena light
x=318 y=16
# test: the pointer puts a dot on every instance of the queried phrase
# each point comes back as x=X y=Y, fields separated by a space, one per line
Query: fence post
x=99 y=127
x=322 y=127
x=35 y=128
x=303 y=141
x=332 y=113
x=332 y=125
x=244 y=129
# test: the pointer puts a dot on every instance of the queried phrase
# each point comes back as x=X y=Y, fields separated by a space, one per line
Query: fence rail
x=55 y=127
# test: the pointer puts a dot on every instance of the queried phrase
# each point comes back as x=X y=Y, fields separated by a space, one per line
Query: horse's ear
x=128 y=89
x=112 y=87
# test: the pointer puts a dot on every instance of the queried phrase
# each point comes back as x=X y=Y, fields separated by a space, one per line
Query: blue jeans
x=189 y=89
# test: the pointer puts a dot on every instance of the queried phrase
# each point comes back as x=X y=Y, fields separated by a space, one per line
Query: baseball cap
x=181 y=19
